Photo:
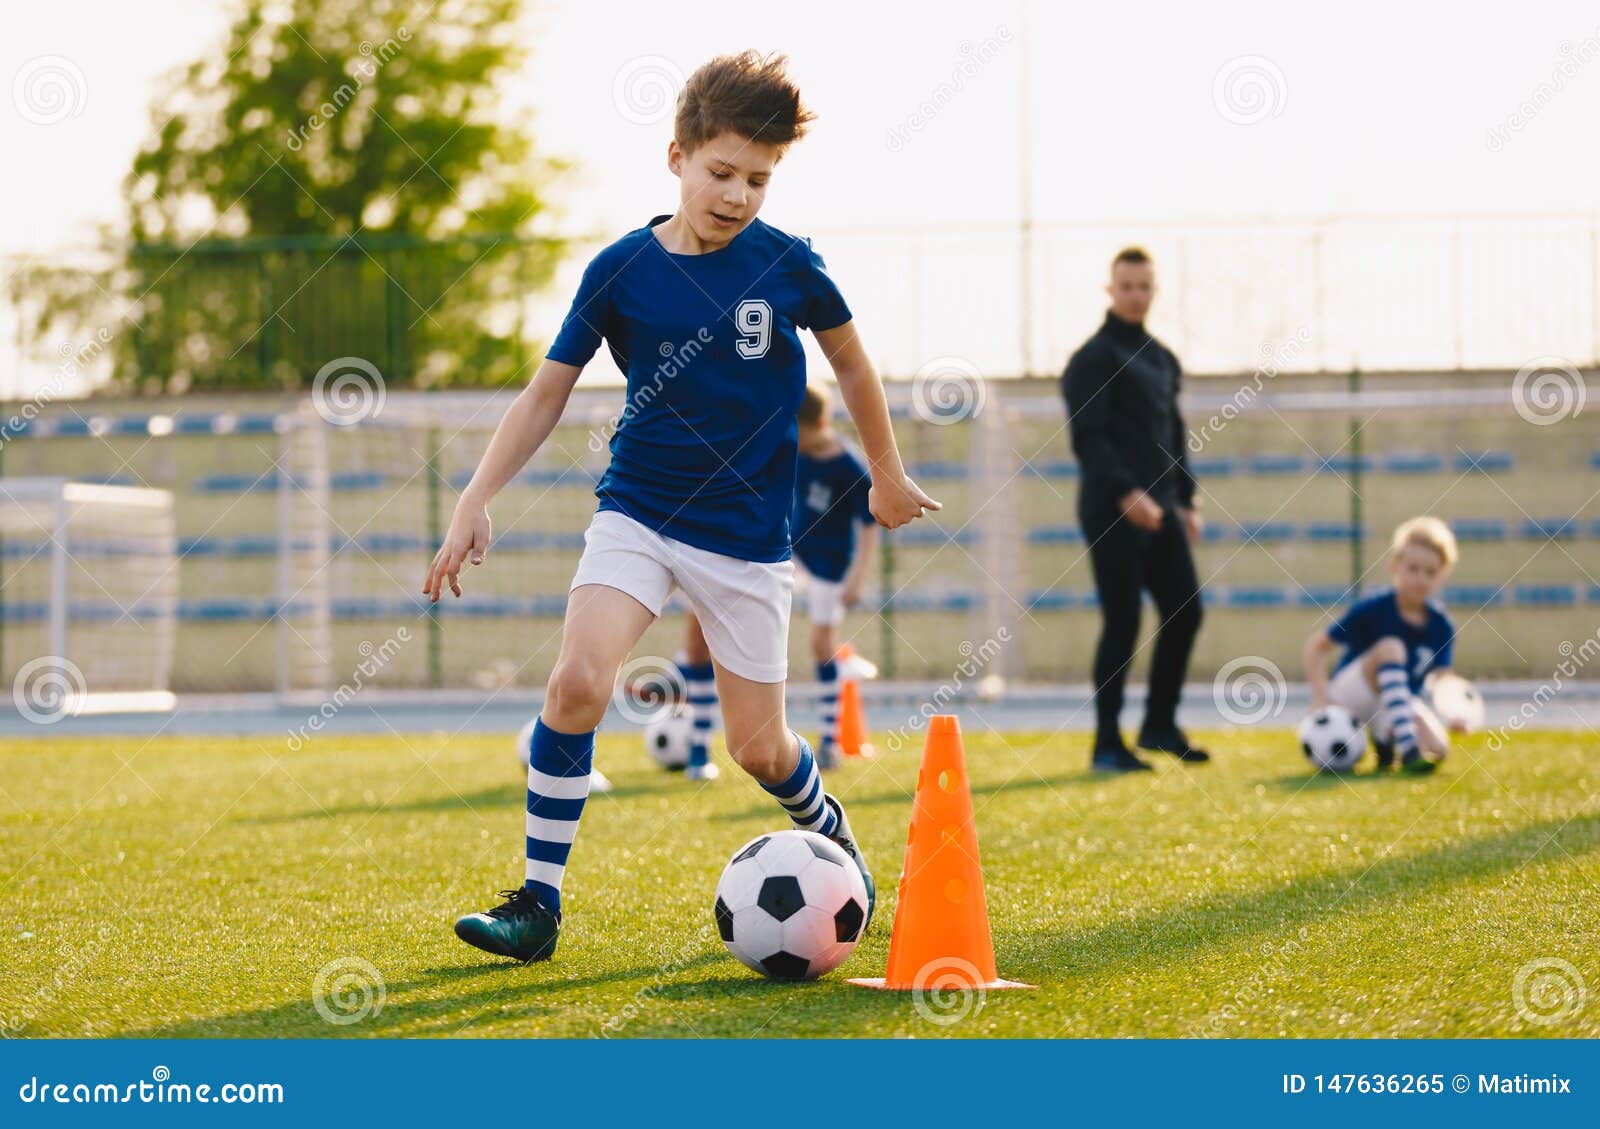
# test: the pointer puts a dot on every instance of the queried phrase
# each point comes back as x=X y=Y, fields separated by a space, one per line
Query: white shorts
x=1348 y=688
x=824 y=601
x=743 y=606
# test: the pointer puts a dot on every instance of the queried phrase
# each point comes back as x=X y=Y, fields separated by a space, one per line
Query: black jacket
x=1121 y=390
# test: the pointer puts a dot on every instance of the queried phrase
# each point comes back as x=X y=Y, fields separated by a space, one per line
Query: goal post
x=88 y=622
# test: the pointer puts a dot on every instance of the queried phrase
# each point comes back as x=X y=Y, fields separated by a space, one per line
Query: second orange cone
x=852 y=725
x=941 y=920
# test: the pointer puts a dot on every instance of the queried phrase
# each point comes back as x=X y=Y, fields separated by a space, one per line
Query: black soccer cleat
x=1416 y=763
x=847 y=840
x=1385 y=751
x=1116 y=759
x=520 y=928
x=1176 y=742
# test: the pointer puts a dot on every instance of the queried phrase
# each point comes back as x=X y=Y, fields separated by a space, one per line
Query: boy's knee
x=578 y=690
x=760 y=755
x=1389 y=649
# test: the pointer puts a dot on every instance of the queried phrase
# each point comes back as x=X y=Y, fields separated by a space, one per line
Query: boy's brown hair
x=748 y=94
x=814 y=407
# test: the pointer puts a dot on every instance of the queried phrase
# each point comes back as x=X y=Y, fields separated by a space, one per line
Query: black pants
x=1128 y=560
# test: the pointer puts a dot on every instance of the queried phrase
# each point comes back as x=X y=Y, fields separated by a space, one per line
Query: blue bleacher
x=1487 y=462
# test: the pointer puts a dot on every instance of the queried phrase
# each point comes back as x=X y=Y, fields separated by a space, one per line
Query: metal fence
x=302 y=544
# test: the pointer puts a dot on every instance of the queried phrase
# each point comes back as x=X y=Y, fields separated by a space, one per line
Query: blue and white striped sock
x=1394 y=691
x=802 y=797
x=700 y=684
x=828 y=703
x=558 y=785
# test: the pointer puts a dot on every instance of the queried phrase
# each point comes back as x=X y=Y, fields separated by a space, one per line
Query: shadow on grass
x=509 y=988
x=503 y=796
x=882 y=799
x=1324 y=781
x=1181 y=933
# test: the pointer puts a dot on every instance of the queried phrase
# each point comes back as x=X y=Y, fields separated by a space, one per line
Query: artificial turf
x=198 y=886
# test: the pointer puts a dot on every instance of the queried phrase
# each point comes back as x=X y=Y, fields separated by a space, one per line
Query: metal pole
x=58 y=578
x=1025 y=122
x=286 y=472
x=1358 y=540
x=435 y=540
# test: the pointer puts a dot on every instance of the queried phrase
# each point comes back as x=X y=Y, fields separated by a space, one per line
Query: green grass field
x=195 y=887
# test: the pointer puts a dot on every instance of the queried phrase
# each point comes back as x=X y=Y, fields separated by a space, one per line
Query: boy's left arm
x=895 y=499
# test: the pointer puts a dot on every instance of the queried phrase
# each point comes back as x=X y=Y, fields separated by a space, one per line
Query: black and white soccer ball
x=667 y=737
x=1332 y=739
x=791 y=905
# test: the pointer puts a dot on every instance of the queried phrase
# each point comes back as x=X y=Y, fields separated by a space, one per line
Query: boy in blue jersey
x=830 y=502
x=1393 y=641
x=703 y=310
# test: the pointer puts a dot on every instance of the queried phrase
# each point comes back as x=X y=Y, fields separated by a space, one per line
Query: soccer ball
x=1457 y=702
x=1332 y=739
x=791 y=905
x=667 y=737
x=525 y=743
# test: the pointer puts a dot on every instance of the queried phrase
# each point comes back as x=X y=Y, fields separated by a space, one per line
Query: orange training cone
x=941 y=920
x=852 y=734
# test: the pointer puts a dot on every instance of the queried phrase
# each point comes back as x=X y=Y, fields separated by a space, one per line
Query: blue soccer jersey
x=1428 y=647
x=705 y=448
x=830 y=500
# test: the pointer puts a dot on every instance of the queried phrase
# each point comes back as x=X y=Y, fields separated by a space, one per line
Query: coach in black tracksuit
x=1136 y=504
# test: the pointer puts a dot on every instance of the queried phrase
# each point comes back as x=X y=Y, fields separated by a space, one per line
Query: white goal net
x=90 y=575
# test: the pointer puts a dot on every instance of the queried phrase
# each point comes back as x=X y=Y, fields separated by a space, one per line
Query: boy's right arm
x=1315 y=657
x=527 y=424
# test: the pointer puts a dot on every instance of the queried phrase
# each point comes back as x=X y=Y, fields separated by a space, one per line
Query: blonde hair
x=1428 y=532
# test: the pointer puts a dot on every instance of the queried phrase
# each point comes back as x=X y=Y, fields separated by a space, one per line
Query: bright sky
x=1368 y=108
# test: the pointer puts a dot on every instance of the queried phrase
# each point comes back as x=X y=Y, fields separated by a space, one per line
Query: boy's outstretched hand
x=468 y=539
x=894 y=503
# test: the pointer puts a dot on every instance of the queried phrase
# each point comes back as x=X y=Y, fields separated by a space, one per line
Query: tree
x=337 y=179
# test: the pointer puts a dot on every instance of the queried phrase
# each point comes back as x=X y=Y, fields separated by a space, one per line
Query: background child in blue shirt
x=1393 y=641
